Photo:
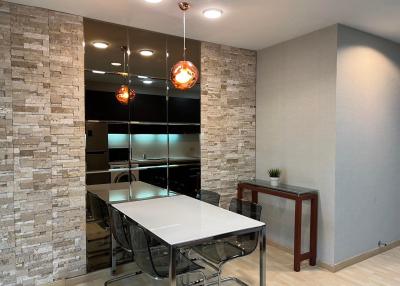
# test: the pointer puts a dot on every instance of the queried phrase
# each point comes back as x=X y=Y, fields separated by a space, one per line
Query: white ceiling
x=252 y=24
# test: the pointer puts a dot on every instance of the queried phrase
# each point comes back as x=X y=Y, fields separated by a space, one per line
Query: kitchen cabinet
x=184 y=110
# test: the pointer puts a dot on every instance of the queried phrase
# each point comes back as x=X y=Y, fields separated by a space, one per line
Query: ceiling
x=252 y=24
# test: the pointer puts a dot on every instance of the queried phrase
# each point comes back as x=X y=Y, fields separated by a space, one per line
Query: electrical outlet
x=381 y=244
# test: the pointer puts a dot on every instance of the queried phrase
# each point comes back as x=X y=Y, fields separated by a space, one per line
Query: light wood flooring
x=381 y=270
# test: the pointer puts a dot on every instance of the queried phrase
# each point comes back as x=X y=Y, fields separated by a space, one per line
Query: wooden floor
x=380 y=270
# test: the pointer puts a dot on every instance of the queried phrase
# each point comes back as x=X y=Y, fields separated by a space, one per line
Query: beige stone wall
x=228 y=123
x=42 y=159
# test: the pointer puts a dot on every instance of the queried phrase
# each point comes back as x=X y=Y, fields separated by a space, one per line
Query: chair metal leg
x=113 y=255
x=219 y=274
x=221 y=280
x=203 y=280
x=122 y=277
x=205 y=262
x=237 y=280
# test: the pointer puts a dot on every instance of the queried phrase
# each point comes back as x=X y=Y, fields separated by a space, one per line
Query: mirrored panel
x=143 y=135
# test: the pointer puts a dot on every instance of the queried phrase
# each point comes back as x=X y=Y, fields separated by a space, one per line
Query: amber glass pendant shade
x=124 y=94
x=184 y=75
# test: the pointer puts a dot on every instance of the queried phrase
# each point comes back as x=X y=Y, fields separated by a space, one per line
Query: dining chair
x=120 y=236
x=99 y=210
x=221 y=251
x=97 y=232
x=154 y=261
x=209 y=197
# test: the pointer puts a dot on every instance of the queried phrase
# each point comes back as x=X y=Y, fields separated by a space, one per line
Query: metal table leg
x=263 y=254
x=172 y=266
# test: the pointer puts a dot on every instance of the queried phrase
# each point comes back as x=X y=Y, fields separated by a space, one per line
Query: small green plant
x=274 y=173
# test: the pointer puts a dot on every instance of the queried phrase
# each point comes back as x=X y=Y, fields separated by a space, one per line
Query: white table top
x=119 y=192
x=180 y=220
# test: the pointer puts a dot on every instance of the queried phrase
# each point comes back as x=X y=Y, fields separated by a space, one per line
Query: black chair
x=209 y=197
x=221 y=251
x=99 y=210
x=98 y=232
x=155 y=260
x=120 y=236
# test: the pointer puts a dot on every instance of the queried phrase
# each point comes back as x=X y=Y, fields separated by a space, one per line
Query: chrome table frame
x=262 y=246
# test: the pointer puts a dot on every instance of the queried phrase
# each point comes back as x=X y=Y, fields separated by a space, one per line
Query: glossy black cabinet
x=184 y=110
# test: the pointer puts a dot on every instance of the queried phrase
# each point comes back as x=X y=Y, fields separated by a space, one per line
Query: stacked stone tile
x=67 y=131
x=228 y=123
x=7 y=236
x=42 y=127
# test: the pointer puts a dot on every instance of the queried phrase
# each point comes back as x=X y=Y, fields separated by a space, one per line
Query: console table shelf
x=297 y=194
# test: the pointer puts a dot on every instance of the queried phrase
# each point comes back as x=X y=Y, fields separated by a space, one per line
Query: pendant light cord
x=184 y=35
x=124 y=60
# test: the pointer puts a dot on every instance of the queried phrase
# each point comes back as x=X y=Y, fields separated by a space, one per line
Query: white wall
x=296 y=83
x=368 y=143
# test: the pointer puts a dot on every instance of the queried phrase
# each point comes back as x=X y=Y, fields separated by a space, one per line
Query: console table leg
x=254 y=197
x=297 y=234
x=313 y=231
x=239 y=194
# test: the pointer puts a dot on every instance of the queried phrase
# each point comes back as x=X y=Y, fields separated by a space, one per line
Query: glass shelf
x=118 y=170
x=144 y=122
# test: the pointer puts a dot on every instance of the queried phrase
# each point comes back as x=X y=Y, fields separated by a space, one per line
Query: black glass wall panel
x=154 y=138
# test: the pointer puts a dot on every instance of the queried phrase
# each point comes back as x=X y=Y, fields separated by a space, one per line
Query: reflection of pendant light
x=124 y=94
x=184 y=74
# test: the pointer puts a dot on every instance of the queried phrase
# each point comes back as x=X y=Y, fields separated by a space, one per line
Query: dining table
x=180 y=222
x=123 y=192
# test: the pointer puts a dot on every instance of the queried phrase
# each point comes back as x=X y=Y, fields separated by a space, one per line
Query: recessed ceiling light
x=146 y=53
x=100 y=45
x=142 y=76
x=98 y=72
x=153 y=1
x=212 y=13
x=147 y=81
x=116 y=64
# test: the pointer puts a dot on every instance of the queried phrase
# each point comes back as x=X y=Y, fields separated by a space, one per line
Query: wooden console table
x=298 y=195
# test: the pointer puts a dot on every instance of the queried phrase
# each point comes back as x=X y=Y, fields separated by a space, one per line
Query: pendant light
x=124 y=94
x=184 y=74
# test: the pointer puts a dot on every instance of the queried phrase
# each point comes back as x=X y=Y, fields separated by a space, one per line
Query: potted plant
x=274 y=175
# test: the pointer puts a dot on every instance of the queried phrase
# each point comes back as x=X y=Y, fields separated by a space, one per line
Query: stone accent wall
x=228 y=123
x=42 y=175
x=7 y=226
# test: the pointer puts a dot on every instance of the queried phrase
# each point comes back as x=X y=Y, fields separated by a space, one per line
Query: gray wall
x=228 y=107
x=296 y=130
x=328 y=114
x=368 y=143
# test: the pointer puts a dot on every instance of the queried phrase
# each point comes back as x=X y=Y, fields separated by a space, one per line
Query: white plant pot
x=274 y=181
